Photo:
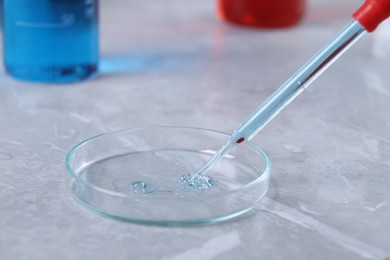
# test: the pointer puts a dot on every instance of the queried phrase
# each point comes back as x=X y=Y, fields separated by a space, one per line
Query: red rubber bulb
x=372 y=13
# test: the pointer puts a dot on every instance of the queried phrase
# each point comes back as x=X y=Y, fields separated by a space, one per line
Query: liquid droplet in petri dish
x=138 y=186
x=196 y=181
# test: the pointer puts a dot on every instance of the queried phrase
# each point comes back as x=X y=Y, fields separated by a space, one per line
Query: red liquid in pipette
x=242 y=139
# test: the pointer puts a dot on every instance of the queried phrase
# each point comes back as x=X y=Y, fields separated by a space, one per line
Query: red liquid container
x=262 y=13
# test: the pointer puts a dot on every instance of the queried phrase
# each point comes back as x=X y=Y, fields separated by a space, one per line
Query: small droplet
x=138 y=186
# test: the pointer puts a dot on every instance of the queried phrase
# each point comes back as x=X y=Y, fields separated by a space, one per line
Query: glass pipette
x=366 y=19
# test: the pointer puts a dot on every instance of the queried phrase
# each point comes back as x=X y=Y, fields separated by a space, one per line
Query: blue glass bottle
x=50 y=40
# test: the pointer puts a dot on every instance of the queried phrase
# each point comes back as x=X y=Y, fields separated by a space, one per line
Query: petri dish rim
x=264 y=174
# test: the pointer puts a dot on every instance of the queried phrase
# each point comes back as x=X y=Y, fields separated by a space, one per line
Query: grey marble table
x=172 y=62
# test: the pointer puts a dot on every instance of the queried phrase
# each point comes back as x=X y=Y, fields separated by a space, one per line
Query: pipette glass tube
x=290 y=89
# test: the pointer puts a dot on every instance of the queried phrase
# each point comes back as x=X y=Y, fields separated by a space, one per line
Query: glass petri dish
x=134 y=175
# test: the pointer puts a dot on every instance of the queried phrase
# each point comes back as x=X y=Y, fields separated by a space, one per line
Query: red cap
x=372 y=13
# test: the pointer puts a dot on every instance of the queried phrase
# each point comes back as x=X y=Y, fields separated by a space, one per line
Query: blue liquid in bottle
x=50 y=40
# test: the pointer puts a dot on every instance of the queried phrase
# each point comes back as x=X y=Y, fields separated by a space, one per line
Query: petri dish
x=134 y=175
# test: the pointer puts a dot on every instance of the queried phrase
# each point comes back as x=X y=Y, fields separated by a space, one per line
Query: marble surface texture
x=173 y=62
